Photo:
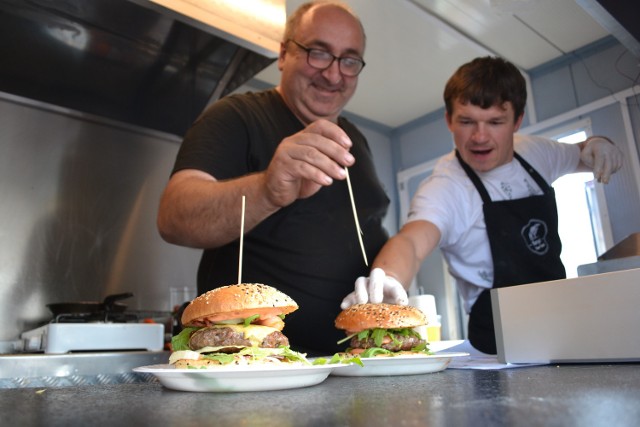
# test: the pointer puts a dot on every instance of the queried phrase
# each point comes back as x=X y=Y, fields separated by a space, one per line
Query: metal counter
x=74 y=369
x=551 y=395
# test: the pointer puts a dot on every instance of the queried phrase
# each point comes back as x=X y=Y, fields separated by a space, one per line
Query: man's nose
x=479 y=133
x=332 y=72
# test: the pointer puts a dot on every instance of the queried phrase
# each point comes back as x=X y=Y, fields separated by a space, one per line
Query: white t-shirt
x=449 y=200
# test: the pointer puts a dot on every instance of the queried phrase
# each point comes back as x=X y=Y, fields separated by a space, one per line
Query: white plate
x=436 y=346
x=236 y=378
x=399 y=365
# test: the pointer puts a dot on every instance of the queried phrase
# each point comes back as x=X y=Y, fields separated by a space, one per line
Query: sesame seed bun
x=237 y=302
x=387 y=316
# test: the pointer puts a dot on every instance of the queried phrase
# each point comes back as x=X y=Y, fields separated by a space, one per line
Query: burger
x=375 y=330
x=235 y=325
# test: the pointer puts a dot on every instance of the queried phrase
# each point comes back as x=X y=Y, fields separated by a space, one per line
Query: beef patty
x=401 y=343
x=230 y=340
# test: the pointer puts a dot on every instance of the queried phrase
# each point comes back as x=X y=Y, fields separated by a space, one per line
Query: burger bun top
x=386 y=316
x=237 y=302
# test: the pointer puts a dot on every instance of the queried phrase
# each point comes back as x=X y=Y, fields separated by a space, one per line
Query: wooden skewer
x=355 y=217
x=241 y=242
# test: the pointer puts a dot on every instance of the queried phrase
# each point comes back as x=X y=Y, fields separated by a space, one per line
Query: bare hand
x=306 y=161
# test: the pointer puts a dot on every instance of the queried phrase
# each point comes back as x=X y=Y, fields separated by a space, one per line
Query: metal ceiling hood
x=150 y=63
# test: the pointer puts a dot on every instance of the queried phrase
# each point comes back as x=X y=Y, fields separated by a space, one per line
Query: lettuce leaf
x=249 y=320
x=378 y=335
x=344 y=358
x=181 y=341
x=256 y=354
x=221 y=358
x=376 y=351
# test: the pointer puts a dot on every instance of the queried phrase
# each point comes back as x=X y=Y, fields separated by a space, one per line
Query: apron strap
x=484 y=194
x=534 y=173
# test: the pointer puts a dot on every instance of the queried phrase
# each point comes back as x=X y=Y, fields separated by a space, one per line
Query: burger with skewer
x=235 y=325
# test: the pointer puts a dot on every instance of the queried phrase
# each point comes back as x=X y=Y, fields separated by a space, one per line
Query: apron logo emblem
x=535 y=236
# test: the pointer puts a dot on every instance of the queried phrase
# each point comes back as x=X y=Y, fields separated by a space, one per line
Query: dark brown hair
x=486 y=82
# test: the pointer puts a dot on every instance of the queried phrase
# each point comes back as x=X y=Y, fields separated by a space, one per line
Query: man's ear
x=519 y=122
x=281 y=55
x=447 y=118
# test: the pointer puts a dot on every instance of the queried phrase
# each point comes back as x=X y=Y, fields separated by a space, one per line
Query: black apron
x=525 y=247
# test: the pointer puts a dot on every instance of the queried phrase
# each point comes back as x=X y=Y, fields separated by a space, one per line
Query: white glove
x=376 y=288
x=602 y=157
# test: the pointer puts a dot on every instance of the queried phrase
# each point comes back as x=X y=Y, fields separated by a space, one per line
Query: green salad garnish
x=249 y=320
x=181 y=341
x=344 y=358
x=378 y=336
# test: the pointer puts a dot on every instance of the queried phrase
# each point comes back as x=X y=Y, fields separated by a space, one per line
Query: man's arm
x=403 y=254
x=395 y=266
x=199 y=211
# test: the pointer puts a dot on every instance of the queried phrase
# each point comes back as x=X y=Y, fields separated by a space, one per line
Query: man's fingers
x=348 y=301
x=360 y=292
x=598 y=166
x=331 y=131
x=376 y=285
x=395 y=292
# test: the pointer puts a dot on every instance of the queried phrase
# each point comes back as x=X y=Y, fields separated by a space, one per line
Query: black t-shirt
x=309 y=249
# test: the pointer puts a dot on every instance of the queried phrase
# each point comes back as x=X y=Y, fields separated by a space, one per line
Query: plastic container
x=427 y=304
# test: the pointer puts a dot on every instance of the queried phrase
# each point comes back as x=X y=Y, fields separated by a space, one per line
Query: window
x=582 y=214
x=574 y=215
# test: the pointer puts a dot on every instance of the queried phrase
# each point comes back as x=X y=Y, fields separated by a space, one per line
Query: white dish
x=236 y=378
x=398 y=365
x=437 y=346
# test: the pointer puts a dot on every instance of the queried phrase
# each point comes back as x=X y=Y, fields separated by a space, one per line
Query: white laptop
x=585 y=319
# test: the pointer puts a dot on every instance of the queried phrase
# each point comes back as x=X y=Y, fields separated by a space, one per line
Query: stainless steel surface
x=94 y=98
x=62 y=338
x=79 y=198
x=118 y=59
x=17 y=371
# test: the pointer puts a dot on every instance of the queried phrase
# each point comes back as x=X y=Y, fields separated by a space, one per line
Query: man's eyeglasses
x=321 y=60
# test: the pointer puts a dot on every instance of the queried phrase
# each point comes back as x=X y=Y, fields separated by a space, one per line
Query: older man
x=286 y=150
